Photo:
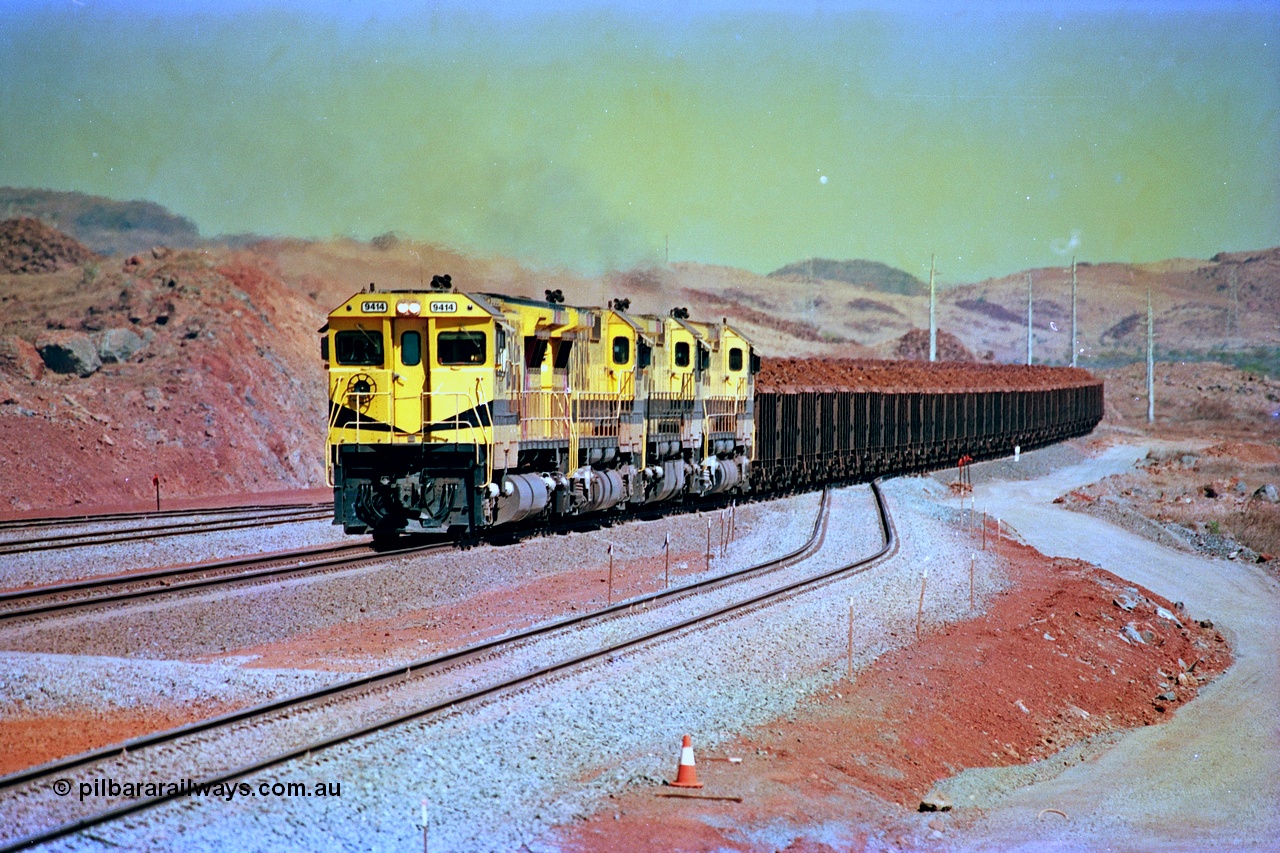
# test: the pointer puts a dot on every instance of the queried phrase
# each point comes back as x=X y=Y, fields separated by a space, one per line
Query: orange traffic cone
x=687 y=774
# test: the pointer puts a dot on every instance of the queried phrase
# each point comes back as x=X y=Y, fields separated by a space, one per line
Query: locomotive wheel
x=385 y=540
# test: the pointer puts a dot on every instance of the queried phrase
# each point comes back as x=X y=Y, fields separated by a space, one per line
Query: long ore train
x=461 y=412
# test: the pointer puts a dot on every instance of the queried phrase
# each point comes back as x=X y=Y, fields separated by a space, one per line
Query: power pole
x=1151 y=364
x=1028 y=318
x=1074 y=346
x=933 y=314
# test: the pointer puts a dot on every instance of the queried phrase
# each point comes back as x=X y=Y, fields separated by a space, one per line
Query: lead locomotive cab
x=411 y=391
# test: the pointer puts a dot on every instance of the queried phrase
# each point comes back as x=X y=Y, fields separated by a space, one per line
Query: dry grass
x=1211 y=409
x=1258 y=527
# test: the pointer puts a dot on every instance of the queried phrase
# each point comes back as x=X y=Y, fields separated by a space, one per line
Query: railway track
x=54 y=599
x=232 y=519
x=302 y=724
x=112 y=517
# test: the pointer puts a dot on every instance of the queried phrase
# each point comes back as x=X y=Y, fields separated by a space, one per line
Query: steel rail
x=266 y=518
x=367 y=683
x=118 y=588
x=161 y=585
x=110 y=517
x=815 y=539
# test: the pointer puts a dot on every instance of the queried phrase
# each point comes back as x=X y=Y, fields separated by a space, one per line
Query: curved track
x=380 y=688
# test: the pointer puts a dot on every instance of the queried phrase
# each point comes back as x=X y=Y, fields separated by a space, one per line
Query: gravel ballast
x=221 y=620
x=549 y=752
x=39 y=568
x=49 y=684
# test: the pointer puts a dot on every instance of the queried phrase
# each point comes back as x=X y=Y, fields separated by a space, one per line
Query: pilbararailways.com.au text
x=110 y=787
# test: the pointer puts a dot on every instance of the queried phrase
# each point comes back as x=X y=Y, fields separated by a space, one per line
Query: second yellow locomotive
x=453 y=411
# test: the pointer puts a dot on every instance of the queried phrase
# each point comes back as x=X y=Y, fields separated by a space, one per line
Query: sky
x=592 y=136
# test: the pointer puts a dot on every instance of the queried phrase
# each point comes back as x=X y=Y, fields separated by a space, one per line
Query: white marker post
x=666 y=551
x=920 y=607
x=610 y=598
x=708 y=544
x=851 y=639
x=973 y=559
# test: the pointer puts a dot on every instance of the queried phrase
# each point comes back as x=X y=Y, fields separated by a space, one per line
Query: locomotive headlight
x=402 y=308
x=415 y=308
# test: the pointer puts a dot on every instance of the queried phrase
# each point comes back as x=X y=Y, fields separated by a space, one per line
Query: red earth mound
x=29 y=246
x=914 y=345
x=224 y=397
x=1050 y=663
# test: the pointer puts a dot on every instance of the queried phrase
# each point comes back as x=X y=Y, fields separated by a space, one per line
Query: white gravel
x=47 y=567
x=199 y=624
x=502 y=775
x=47 y=684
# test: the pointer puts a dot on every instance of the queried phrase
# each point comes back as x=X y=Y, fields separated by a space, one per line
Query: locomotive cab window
x=621 y=349
x=735 y=359
x=460 y=347
x=358 y=347
x=682 y=354
x=411 y=349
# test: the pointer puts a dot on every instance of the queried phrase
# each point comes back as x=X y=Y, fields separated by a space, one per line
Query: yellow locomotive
x=453 y=411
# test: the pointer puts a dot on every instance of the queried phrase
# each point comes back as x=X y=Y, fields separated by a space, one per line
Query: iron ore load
x=461 y=412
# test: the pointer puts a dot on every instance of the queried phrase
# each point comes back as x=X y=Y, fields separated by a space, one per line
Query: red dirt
x=1242 y=451
x=863 y=754
x=914 y=345
x=221 y=400
x=29 y=246
x=787 y=374
x=33 y=740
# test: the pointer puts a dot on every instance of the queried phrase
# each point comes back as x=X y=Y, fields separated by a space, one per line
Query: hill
x=872 y=275
x=106 y=226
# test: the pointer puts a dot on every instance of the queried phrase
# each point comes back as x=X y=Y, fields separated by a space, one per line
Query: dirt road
x=1208 y=779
